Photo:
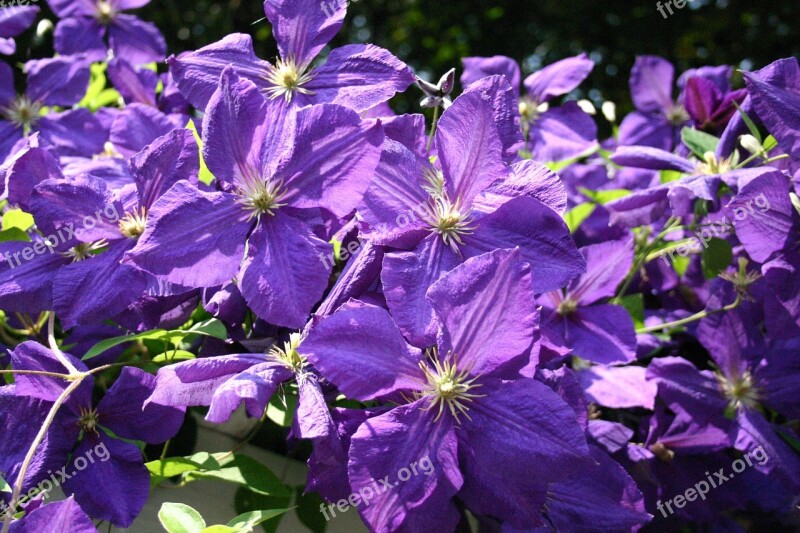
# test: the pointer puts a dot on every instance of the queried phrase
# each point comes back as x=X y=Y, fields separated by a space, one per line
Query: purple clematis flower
x=225 y=382
x=106 y=286
x=15 y=20
x=494 y=439
x=474 y=204
x=116 y=484
x=551 y=133
x=61 y=81
x=276 y=168
x=85 y=24
x=601 y=333
x=66 y=515
x=358 y=76
x=658 y=118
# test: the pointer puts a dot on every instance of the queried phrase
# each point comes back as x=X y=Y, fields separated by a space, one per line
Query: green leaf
x=205 y=175
x=680 y=264
x=246 y=521
x=107 y=344
x=17 y=218
x=14 y=234
x=245 y=471
x=575 y=216
x=222 y=529
x=699 y=142
x=173 y=356
x=180 y=518
x=667 y=176
x=210 y=328
x=717 y=256
x=174 y=466
x=245 y=501
x=308 y=506
x=4 y=487
x=634 y=304
x=604 y=197
x=279 y=413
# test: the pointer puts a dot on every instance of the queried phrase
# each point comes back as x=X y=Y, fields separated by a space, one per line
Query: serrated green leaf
x=180 y=518
x=717 y=256
x=575 y=216
x=699 y=142
x=17 y=218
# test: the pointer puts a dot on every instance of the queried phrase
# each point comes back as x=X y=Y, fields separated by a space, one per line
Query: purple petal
x=641 y=129
x=521 y=437
x=276 y=290
x=60 y=81
x=359 y=76
x=650 y=158
x=600 y=333
x=607 y=264
x=64 y=515
x=122 y=409
x=764 y=215
x=192 y=383
x=333 y=160
x=81 y=35
x=541 y=235
x=26 y=286
x=115 y=489
x=529 y=178
x=193 y=238
x=505 y=104
x=618 y=387
x=385 y=444
x=137 y=126
x=313 y=415
x=253 y=387
x=197 y=73
x=406 y=277
x=395 y=200
x=73 y=133
x=134 y=86
x=303 y=27
x=562 y=133
x=778 y=108
x=136 y=40
x=364 y=337
x=651 y=84
x=487 y=312
x=17 y=19
x=169 y=159
x=26 y=169
x=558 y=79
x=469 y=148
x=31 y=355
x=477 y=68
x=73 y=8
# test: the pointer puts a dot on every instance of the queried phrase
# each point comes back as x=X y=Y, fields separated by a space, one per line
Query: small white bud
x=587 y=106
x=609 y=110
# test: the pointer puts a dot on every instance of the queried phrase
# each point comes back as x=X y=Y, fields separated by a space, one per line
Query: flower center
x=662 y=452
x=132 y=224
x=261 y=197
x=286 y=79
x=567 y=307
x=105 y=13
x=23 y=112
x=739 y=391
x=712 y=166
x=447 y=219
x=84 y=250
x=447 y=386
x=677 y=115
x=289 y=354
x=88 y=420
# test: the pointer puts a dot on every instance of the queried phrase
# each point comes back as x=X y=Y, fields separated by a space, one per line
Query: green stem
x=689 y=319
x=433 y=128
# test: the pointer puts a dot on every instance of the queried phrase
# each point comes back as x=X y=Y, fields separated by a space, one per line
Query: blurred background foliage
x=432 y=35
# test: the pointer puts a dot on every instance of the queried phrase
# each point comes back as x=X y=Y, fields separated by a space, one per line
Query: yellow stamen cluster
x=712 y=166
x=105 y=12
x=132 y=224
x=287 y=78
x=88 y=420
x=740 y=391
x=261 y=196
x=289 y=354
x=84 y=250
x=448 y=220
x=677 y=115
x=23 y=112
x=447 y=386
